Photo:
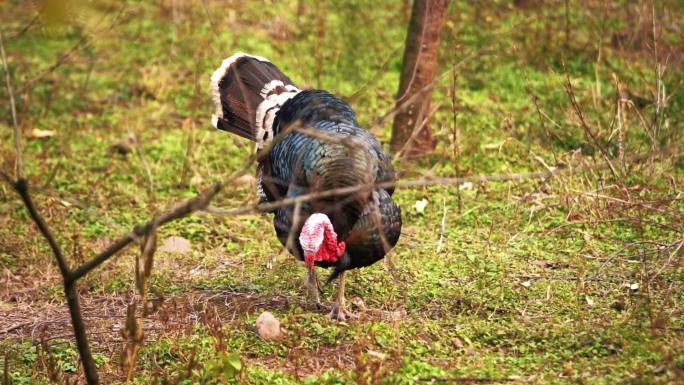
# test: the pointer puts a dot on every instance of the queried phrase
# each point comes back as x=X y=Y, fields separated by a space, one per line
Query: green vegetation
x=573 y=279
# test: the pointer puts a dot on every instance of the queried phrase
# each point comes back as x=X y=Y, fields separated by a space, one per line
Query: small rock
x=268 y=327
x=176 y=245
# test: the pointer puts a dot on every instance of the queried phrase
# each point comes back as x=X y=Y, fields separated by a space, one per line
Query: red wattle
x=329 y=251
x=341 y=247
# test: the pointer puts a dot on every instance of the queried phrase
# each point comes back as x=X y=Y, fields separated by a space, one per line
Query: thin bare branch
x=440 y=242
x=585 y=126
x=62 y=59
x=70 y=292
x=5 y=372
x=83 y=42
x=150 y=180
x=512 y=177
x=21 y=187
x=19 y=166
x=70 y=278
x=80 y=333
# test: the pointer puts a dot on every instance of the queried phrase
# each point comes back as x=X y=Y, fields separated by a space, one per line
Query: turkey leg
x=314 y=287
x=339 y=311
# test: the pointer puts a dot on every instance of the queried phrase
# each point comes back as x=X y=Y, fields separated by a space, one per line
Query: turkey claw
x=340 y=313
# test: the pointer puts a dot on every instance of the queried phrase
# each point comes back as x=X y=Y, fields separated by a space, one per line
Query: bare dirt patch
x=105 y=315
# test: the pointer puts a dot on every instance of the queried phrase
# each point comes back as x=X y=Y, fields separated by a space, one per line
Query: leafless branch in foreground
x=425 y=181
x=21 y=187
x=71 y=277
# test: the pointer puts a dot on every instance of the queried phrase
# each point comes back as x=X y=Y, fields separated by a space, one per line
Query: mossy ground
x=574 y=279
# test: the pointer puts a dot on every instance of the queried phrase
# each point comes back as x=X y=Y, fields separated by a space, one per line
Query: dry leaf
x=492 y=146
x=567 y=370
x=40 y=134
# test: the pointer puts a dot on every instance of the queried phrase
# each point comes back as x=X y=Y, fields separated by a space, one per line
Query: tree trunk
x=411 y=130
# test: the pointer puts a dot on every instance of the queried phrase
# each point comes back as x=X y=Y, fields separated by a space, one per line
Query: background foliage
x=573 y=279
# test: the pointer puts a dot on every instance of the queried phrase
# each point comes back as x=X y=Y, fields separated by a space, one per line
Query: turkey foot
x=314 y=288
x=339 y=311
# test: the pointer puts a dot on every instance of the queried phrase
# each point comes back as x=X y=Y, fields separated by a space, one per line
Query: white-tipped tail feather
x=248 y=91
x=266 y=112
x=219 y=74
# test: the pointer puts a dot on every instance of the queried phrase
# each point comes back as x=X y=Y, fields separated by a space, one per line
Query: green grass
x=532 y=279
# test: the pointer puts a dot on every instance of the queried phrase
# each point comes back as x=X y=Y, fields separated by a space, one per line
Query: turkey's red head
x=319 y=241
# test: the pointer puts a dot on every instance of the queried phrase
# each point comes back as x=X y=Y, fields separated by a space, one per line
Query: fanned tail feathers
x=248 y=92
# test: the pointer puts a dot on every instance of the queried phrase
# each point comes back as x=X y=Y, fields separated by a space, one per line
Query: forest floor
x=571 y=279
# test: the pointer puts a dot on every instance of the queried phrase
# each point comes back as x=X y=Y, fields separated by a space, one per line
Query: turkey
x=308 y=142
